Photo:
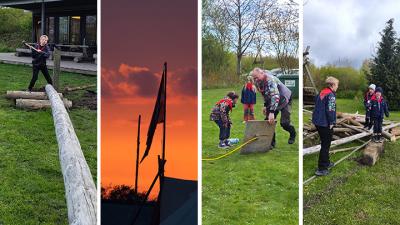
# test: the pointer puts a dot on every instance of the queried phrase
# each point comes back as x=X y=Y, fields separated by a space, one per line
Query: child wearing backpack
x=220 y=115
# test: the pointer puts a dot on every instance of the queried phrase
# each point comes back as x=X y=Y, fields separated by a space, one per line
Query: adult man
x=277 y=98
x=324 y=118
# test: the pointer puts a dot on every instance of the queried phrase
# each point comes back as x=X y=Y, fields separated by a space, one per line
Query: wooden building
x=66 y=22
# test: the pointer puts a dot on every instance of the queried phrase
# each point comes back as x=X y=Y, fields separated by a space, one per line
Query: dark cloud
x=132 y=81
x=184 y=82
x=140 y=78
x=346 y=29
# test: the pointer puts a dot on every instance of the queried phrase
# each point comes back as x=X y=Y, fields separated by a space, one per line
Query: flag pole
x=165 y=111
x=137 y=156
x=163 y=145
x=160 y=166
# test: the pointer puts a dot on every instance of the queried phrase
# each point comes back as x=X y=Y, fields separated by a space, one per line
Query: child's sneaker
x=227 y=144
x=380 y=138
x=222 y=145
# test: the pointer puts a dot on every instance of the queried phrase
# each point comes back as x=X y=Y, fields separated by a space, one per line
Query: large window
x=64 y=30
x=50 y=29
x=91 y=30
x=75 y=30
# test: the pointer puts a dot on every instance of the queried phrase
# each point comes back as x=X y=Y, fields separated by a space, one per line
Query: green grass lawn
x=248 y=189
x=354 y=194
x=31 y=182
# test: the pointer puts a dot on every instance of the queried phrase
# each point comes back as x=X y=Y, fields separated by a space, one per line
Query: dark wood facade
x=66 y=22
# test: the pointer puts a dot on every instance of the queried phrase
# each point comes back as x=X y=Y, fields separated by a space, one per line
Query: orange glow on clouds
x=119 y=120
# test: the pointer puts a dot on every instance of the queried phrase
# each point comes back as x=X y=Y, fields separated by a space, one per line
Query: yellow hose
x=230 y=152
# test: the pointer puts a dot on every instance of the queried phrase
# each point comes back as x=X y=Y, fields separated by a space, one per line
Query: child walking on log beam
x=379 y=108
x=39 y=56
x=220 y=115
x=248 y=99
x=324 y=118
x=367 y=105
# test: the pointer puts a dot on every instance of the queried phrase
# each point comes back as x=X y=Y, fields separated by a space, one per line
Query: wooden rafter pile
x=349 y=128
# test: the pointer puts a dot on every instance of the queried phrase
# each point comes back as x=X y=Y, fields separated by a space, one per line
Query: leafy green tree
x=15 y=26
x=385 y=68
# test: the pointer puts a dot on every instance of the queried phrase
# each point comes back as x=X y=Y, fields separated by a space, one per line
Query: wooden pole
x=80 y=190
x=163 y=148
x=43 y=20
x=137 y=156
x=38 y=104
x=56 y=68
x=28 y=95
x=68 y=89
x=160 y=165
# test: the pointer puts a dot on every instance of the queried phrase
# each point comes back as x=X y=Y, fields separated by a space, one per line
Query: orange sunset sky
x=136 y=40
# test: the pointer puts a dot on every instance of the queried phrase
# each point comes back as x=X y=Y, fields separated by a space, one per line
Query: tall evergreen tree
x=385 y=70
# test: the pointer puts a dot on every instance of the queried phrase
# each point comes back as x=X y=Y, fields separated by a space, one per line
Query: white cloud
x=346 y=28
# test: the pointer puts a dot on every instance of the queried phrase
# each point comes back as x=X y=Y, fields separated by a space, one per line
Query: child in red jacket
x=248 y=99
x=220 y=115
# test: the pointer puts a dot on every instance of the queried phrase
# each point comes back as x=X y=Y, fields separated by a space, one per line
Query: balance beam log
x=34 y=104
x=372 y=152
x=317 y=148
x=28 y=95
x=80 y=190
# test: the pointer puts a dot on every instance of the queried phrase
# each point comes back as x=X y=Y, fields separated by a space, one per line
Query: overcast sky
x=346 y=28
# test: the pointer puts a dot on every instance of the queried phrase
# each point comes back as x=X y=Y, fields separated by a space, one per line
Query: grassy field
x=31 y=183
x=248 y=189
x=352 y=193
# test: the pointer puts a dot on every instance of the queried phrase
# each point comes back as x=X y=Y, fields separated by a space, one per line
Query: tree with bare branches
x=282 y=28
x=236 y=23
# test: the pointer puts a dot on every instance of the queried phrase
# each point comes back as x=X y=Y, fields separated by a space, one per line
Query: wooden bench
x=22 y=51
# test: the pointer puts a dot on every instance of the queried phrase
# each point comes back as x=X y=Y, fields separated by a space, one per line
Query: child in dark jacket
x=39 y=58
x=324 y=118
x=367 y=105
x=379 y=108
x=220 y=115
x=248 y=99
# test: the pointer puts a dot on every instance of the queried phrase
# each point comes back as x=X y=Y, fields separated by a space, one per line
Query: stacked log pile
x=350 y=128
x=33 y=100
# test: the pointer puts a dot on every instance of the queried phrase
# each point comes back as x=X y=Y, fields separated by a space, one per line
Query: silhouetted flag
x=158 y=115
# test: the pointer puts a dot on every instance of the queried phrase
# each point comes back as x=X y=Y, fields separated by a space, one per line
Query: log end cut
x=372 y=152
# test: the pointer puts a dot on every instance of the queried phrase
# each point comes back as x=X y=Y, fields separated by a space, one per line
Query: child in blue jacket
x=379 y=108
x=248 y=99
x=39 y=58
x=324 y=118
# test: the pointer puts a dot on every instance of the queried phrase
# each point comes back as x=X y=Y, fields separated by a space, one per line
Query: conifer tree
x=385 y=66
